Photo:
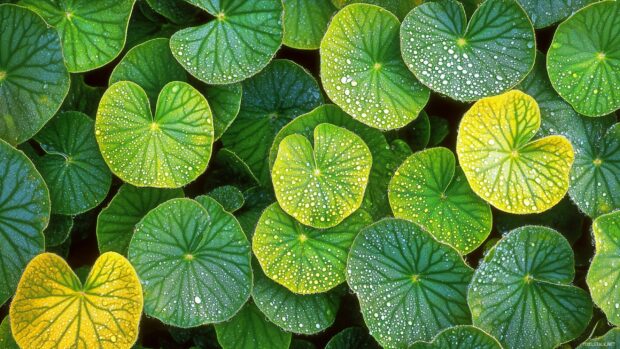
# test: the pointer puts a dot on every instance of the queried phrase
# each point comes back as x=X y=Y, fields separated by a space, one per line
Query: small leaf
x=460 y=337
x=229 y=197
x=178 y=12
x=305 y=22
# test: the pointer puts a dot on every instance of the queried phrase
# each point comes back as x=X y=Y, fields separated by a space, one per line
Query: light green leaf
x=352 y=338
x=116 y=222
x=225 y=102
x=77 y=177
x=409 y=286
x=229 y=197
x=238 y=43
x=93 y=33
x=58 y=230
x=321 y=185
x=193 y=262
x=428 y=189
x=460 y=337
x=604 y=275
x=305 y=22
x=33 y=78
x=363 y=72
x=522 y=294
x=398 y=7
x=166 y=150
x=544 y=13
x=466 y=62
x=584 y=59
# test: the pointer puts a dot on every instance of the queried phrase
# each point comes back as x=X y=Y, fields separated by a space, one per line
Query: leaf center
x=528 y=278
x=377 y=66
x=415 y=278
x=220 y=16
x=2 y=75
x=69 y=15
x=461 y=42
x=154 y=127
x=597 y=162
x=600 y=56
x=188 y=257
x=303 y=238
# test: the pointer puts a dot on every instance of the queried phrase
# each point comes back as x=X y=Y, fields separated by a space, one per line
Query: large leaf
x=584 y=59
x=166 y=150
x=24 y=213
x=362 y=70
x=544 y=13
x=429 y=190
x=237 y=44
x=323 y=185
x=604 y=275
x=303 y=259
x=486 y=57
x=502 y=163
x=409 y=286
x=522 y=294
x=77 y=176
x=52 y=308
x=33 y=78
x=305 y=22
x=93 y=33
x=460 y=337
x=270 y=100
x=193 y=261
x=116 y=222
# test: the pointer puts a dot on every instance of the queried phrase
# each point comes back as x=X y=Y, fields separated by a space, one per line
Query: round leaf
x=305 y=22
x=53 y=309
x=352 y=338
x=93 y=33
x=522 y=294
x=604 y=276
x=409 y=286
x=116 y=222
x=460 y=337
x=167 y=150
x=584 y=57
x=238 y=43
x=193 y=261
x=429 y=190
x=544 y=13
x=77 y=176
x=502 y=163
x=322 y=186
x=466 y=62
x=362 y=70
x=303 y=259
x=33 y=78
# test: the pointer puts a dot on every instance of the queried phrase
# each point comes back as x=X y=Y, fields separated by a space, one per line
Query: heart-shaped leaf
x=33 y=78
x=466 y=62
x=303 y=259
x=429 y=190
x=522 y=294
x=460 y=337
x=610 y=340
x=24 y=213
x=238 y=43
x=193 y=261
x=604 y=276
x=409 y=286
x=305 y=22
x=584 y=57
x=77 y=176
x=93 y=33
x=52 y=308
x=502 y=163
x=249 y=329
x=116 y=222
x=167 y=150
x=363 y=72
x=322 y=186
x=544 y=13
x=352 y=338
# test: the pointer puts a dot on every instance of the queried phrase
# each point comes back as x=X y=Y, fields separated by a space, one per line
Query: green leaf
x=52 y=308
x=77 y=177
x=229 y=197
x=238 y=43
x=363 y=72
x=305 y=314
x=305 y=22
x=6 y=337
x=58 y=230
x=398 y=7
x=167 y=150
x=249 y=329
x=93 y=33
x=544 y=13
x=116 y=222
x=610 y=340
x=352 y=338
x=409 y=286
x=460 y=337
x=428 y=189
x=225 y=102
x=193 y=261
x=178 y=12
x=584 y=57
x=522 y=294
x=604 y=276
x=82 y=97
x=33 y=78
x=150 y=65
x=466 y=62
x=323 y=185
x=278 y=94
x=298 y=344
x=418 y=133
x=303 y=259
x=440 y=128
x=502 y=163
x=227 y=159
x=24 y=213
